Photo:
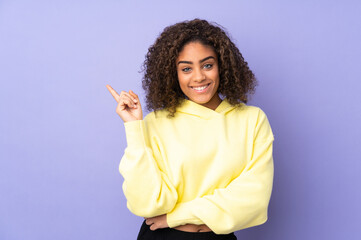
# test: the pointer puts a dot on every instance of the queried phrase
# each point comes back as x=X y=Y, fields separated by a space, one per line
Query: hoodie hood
x=195 y=109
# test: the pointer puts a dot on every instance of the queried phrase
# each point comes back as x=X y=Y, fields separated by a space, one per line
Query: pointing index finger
x=113 y=92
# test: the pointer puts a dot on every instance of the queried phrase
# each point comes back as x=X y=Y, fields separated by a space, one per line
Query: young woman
x=200 y=165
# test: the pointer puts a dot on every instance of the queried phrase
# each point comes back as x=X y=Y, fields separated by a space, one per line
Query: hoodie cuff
x=181 y=215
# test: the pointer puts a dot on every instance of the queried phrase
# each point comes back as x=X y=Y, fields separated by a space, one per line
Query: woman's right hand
x=129 y=108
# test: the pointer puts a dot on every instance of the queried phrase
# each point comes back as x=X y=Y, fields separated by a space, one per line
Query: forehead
x=196 y=51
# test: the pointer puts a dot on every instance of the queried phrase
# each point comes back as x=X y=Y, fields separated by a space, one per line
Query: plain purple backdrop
x=61 y=140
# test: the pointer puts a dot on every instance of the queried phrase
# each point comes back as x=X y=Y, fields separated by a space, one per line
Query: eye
x=186 y=69
x=208 y=65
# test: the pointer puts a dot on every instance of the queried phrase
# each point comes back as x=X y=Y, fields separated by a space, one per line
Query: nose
x=199 y=76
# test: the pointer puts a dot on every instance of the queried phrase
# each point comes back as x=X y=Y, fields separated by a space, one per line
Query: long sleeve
x=244 y=202
x=147 y=189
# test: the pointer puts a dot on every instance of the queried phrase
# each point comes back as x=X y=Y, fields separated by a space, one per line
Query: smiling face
x=198 y=76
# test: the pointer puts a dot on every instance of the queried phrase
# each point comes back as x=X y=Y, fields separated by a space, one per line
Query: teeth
x=200 y=88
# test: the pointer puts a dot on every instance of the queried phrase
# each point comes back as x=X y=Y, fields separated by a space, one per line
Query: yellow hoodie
x=203 y=166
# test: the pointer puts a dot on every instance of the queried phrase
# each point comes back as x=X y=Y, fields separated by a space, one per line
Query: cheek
x=183 y=80
x=182 y=84
x=215 y=75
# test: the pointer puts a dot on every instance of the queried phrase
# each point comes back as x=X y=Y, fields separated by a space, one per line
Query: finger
x=113 y=92
x=148 y=222
x=124 y=93
x=153 y=227
x=135 y=96
x=124 y=103
x=125 y=99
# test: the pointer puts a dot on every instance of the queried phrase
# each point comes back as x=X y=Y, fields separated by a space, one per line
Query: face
x=198 y=76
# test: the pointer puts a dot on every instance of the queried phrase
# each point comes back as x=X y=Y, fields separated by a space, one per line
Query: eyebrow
x=204 y=59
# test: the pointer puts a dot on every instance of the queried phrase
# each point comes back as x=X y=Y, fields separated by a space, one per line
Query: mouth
x=202 y=88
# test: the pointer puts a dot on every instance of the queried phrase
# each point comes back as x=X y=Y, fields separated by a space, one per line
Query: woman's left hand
x=157 y=222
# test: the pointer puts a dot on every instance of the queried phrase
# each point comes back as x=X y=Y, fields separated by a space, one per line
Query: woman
x=200 y=165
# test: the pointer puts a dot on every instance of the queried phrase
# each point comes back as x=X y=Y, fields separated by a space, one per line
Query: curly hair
x=160 y=80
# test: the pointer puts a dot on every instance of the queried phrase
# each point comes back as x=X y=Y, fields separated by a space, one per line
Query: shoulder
x=263 y=128
x=253 y=112
x=157 y=118
x=157 y=123
x=257 y=119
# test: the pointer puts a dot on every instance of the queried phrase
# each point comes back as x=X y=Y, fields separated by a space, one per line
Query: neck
x=214 y=102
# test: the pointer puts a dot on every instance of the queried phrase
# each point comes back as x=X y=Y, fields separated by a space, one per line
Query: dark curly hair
x=160 y=80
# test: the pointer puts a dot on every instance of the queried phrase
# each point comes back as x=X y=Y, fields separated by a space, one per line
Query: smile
x=201 y=89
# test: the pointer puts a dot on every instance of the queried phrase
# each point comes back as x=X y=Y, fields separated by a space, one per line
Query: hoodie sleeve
x=244 y=202
x=146 y=187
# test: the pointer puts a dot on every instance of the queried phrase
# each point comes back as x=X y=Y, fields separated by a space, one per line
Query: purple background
x=61 y=140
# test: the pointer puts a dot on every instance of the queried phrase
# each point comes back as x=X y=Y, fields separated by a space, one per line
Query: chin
x=200 y=100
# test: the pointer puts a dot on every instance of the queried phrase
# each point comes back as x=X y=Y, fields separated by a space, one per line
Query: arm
x=146 y=187
x=244 y=202
x=148 y=190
